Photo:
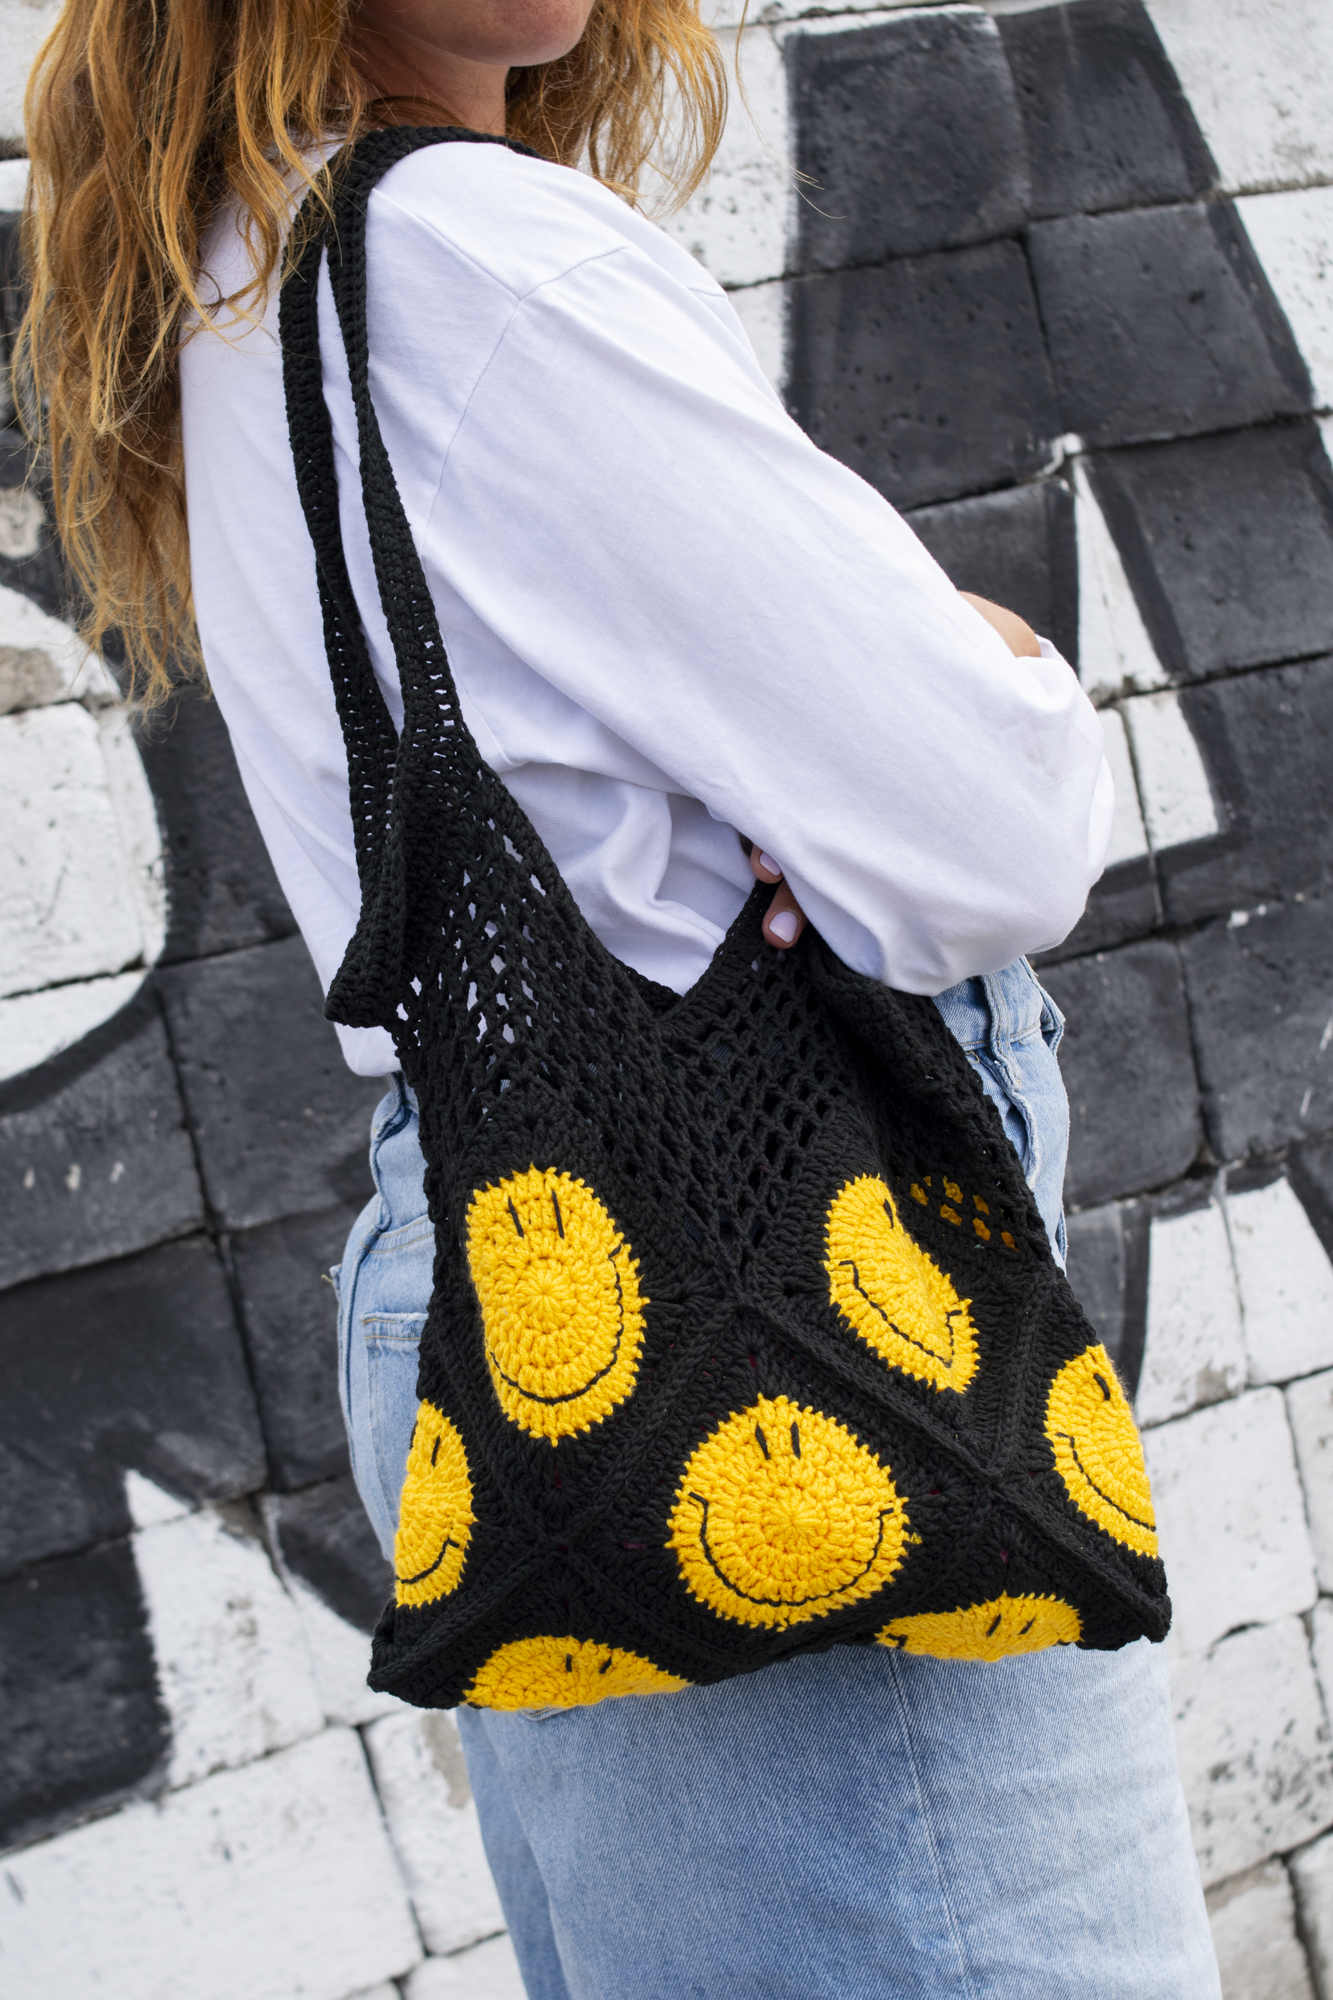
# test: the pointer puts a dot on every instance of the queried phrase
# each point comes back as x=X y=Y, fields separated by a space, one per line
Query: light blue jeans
x=852 y=1825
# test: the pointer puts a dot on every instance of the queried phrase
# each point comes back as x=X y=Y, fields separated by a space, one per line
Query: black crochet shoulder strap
x=746 y=1336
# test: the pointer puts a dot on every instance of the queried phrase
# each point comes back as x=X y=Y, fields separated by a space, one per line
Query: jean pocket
x=1052 y=1020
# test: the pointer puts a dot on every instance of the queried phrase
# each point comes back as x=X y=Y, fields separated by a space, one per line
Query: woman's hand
x=786 y=919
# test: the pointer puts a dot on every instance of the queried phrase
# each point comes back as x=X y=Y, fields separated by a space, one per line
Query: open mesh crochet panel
x=829 y=1380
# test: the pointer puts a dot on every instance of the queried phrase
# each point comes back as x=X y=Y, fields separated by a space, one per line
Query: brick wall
x=1058 y=281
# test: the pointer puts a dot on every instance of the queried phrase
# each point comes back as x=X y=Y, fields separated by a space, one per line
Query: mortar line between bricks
x=1202 y=1175
x=1180 y=933
x=165 y=964
x=359 y=1731
x=1212 y=197
x=139 y=965
x=1304 y=1929
x=1216 y=677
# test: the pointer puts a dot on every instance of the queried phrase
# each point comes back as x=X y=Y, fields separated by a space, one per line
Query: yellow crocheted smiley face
x=1097 y=1450
x=564 y=1673
x=783 y=1516
x=560 y=1302
x=435 y=1513
x=990 y=1631
x=893 y=1294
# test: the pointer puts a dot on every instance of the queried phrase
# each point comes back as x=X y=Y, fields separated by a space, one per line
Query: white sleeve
x=627 y=506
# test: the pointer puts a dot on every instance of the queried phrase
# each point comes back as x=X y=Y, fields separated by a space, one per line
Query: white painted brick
x=1322 y=1624
x=1173 y=784
x=24 y=26
x=737 y=225
x=382 y=1992
x=150 y=1505
x=29 y=678
x=1114 y=651
x=1286 y=1283
x=137 y=824
x=1254 y=1934
x=276 y=1882
x=1310 y=1408
x=1293 y=236
x=423 y=1786
x=1129 y=842
x=1194 y=1351
x=232 y=1662
x=13 y=173
x=1312 y=1873
x=26 y=628
x=68 y=908
x=340 y=1658
x=488 y=1972
x=1253 y=1747
x=1231 y=1518
x=762 y=310
x=1259 y=74
x=21 y=523
x=35 y=1026
x=339 y=1654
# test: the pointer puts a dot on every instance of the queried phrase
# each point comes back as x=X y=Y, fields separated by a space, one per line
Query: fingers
x=785 y=919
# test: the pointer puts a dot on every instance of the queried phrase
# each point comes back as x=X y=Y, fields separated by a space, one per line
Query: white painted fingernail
x=773 y=867
x=783 y=926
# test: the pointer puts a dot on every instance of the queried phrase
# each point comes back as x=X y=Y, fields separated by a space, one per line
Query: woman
x=670 y=619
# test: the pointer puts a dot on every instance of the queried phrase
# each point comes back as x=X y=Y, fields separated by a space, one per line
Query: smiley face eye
x=796 y=1440
x=763 y=1441
x=1104 y=1386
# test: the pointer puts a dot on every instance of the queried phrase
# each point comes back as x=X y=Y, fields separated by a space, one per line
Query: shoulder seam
x=381 y=194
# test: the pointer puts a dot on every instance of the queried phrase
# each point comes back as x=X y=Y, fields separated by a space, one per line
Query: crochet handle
x=401 y=790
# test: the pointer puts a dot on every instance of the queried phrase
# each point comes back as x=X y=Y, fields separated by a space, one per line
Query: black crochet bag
x=745 y=1338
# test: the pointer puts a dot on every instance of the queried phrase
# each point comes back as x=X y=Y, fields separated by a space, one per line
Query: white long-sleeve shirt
x=669 y=615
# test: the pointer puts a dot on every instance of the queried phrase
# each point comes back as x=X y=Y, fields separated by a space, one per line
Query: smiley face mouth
x=572 y=1395
x=1149 y=1526
x=922 y=1346
x=786 y=1603
x=430 y=1569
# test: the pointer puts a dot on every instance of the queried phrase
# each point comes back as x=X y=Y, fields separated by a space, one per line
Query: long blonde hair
x=144 y=119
